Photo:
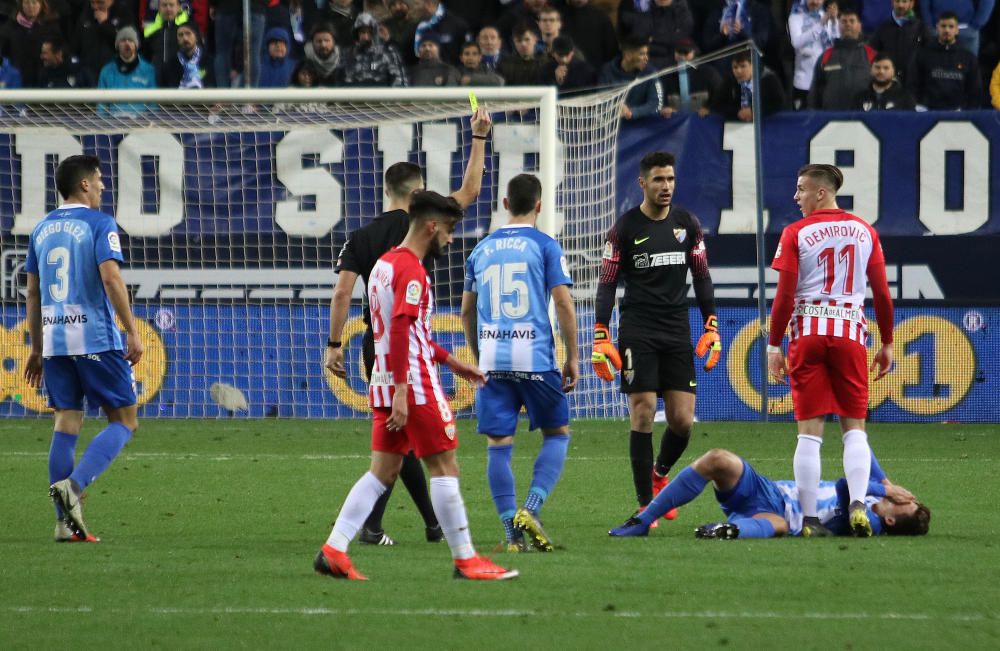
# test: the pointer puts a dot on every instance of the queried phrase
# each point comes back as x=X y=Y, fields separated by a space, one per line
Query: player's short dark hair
x=632 y=43
x=917 y=524
x=882 y=56
x=72 y=170
x=655 y=159
x=945 y=15
x=742 y=57
x=401 y=177
x=428 y=205
x=829 y=175
x=523 y=192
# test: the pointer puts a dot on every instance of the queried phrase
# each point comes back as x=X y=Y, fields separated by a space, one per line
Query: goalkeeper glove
x=605 y=357
x=710 y=343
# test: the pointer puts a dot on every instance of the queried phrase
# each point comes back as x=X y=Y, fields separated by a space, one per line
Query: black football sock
x=374 y=521
x=640 y=451
x=412 y=474
x=672 y=446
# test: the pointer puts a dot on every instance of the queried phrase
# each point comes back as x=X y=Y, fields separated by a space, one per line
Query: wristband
x=478 y=137
x=330 y=343
x=773 y=349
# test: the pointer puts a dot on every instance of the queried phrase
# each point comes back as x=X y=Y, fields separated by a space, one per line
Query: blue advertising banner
x=947 y=366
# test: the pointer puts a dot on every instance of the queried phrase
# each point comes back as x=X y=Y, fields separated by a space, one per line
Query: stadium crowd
x=817 y=54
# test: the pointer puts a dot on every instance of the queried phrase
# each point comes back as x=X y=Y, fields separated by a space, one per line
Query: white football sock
x=808 y=468
x=358 y=505
x=450 y=511
x=857 y=463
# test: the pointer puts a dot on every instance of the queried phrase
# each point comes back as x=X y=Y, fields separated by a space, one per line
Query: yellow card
x=473 y=102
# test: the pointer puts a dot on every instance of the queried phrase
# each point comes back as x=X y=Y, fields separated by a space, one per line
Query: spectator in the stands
x=430 y=70
x=229 y=33
x=59 y=70
x=402 y=28
x=451 y=30
x=900 y=36
x=10 y=76
x=885 y=93
x=146 y=12
x=338 y=14
x=591 y=31
x=160 y=36
x=522 y=67
x=565 y=70
x=94 y=38
x=323 y=52
x=23 y=33
x=812 y=28
x=473 y=72
x=735 y=21
x=527 y=11
x=305 y=75
x=276 y=64
x=370 y=62
x=734 y=99
x=844 y=69
x=872 y=14
x=691 y=87
x=490 y=46
x=661 y=22
x=972 y=16
x=192 y=66
x=644 y=99
x=549 y=28
x=127 y=70
x=945 y=76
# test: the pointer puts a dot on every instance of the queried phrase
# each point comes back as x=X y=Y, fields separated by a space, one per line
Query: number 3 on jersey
x=508 y=290
x=59 y=258
x=830 y=260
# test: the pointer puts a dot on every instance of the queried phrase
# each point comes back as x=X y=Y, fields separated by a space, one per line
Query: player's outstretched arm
x=566 y=316
x=33 y=367
x=781 y=312
x=340 y=305
x=117 y=293
x=469 y=322
x=472 y=182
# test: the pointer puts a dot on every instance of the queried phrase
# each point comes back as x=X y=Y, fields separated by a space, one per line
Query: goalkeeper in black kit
x=651 y=248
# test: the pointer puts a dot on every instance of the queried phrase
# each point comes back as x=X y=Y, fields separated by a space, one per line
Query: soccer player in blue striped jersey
x=75 y=289
x=509 y=278
x=758 y=507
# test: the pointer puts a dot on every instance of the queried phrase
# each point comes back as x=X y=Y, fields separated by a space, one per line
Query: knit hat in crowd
x=127 y=34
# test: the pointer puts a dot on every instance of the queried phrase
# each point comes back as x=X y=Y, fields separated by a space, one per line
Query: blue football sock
x=100 y=453
x=500 y=476
x=548 y=466
x=62 y=454
x=686 y=486
x=754 y=528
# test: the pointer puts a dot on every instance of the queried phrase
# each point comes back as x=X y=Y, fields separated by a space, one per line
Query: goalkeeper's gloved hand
x=605 y=357
x=710 y=341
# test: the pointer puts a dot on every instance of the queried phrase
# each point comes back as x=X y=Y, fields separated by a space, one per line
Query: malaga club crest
x=681 y=234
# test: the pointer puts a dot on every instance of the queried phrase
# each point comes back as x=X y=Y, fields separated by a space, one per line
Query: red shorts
x=829 y=375
x=430 y=429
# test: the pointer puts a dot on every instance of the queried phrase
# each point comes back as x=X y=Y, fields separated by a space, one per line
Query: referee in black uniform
x=651 y=248
x=357 y=257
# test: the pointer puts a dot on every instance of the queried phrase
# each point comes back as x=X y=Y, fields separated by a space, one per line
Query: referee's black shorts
x=655 y=361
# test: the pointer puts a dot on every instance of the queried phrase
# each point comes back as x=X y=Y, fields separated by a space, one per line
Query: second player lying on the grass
x=759 y=507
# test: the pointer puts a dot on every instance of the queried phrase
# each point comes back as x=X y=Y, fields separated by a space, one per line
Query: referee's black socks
x=672 y=446
x=641 y=453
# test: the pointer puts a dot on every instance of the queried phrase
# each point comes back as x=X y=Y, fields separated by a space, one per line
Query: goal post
x=233 y=205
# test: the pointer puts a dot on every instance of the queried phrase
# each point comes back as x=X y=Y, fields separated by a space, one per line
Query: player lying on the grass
x=758 y=507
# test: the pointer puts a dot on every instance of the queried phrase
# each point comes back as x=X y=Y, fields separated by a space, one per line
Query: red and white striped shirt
x=833 y=253
x=399 y=285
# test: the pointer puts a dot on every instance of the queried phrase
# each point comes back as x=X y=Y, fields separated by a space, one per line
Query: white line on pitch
x=489 y=613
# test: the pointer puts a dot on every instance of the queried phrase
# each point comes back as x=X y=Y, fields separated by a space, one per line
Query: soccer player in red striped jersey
x=410 y=408
x=826 y=262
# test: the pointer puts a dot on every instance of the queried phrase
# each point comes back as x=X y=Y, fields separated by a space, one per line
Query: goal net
x=233 y=206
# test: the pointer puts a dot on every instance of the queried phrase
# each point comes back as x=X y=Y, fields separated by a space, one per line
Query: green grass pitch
x=209 y=530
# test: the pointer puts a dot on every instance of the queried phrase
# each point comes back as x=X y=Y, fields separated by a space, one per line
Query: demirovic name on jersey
x=513 y=271
x=66 y=249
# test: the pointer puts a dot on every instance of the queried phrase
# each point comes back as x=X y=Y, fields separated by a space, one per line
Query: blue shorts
x=105 y=378
x=499 y=401
x=754 y=493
